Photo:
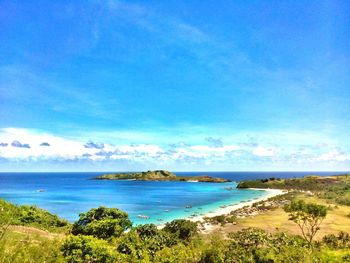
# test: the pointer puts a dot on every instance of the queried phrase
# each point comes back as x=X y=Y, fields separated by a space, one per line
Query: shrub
x=132 y=247
x=102 y=223
x=342 y=240
x=87 y=249
x=30 y=216
x=182 y=229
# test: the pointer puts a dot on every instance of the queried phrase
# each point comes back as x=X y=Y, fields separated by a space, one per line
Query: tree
x=307 y=216
x=151 y=237
x=147 y=231
x=132 y=247
x=182 y=229
x=102 y=223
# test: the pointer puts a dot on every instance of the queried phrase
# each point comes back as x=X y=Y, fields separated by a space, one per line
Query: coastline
x=227 y=210
x=230 y=208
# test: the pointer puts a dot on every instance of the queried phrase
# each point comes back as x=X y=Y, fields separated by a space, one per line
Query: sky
x=179 y=85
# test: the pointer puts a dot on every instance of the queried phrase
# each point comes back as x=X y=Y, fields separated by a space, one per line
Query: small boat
x=188 y=206
x=40 y=190
x=143 y=216
x=166 y=210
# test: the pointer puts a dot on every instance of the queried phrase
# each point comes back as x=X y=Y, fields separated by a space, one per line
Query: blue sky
x=181 y=85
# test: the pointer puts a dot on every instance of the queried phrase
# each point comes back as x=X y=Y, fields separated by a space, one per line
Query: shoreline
x=230 y=208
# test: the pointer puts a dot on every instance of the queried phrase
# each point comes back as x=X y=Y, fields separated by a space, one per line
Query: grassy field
x=276 y=220
x=28 y=244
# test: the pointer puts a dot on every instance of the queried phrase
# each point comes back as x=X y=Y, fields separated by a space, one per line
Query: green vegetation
x=24 y=215
x=307 y=216
x=221 y=219
x=159 y=175
x=297 y=227
x=334 y=188
x=179 y=241
x=102 y=223
x=87 y=249
x=30 y=234
x=181 y=229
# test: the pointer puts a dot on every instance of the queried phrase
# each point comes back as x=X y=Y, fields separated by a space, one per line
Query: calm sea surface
x=68 y=194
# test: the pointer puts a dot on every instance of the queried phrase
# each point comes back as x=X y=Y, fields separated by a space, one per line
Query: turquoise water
x=68 y=194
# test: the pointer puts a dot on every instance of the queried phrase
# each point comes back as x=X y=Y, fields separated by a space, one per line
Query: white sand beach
x=228 y=209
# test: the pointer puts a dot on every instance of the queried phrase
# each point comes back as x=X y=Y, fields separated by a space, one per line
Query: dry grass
x=25 y=230
x=277 y=220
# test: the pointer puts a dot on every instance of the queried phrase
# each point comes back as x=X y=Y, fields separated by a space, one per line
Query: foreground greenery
x=159 y=175
x=106 y=235
x=33 y=216
x=30 y=234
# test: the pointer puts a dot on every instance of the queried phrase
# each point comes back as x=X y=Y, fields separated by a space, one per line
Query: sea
x=69 y=194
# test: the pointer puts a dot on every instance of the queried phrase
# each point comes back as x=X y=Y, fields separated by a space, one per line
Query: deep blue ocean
x=68 y=194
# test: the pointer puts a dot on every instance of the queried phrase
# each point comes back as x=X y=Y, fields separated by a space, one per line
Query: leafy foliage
x=307 y=216
x=221 y=219
x=87 y=249
x=102 y=223
x=342 y=240
x=30 y=216
x=256 y=245
x=182 y=229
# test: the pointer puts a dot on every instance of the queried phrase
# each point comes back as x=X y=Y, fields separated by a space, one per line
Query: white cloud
x=59 y=147
x=334 y=155
x=264 y=152
x=64 y=148
x=117 y=148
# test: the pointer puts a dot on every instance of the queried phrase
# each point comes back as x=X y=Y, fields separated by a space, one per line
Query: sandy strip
x=227 y=210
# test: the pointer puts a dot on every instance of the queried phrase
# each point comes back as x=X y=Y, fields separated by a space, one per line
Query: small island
x=160 y=175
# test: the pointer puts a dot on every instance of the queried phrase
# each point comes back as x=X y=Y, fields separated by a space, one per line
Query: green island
x=160 y=175
x=309 y=222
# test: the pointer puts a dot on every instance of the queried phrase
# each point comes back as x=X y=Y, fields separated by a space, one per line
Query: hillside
x=160 y=175
x=335 y=188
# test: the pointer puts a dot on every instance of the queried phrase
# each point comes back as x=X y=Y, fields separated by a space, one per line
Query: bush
x=30 y=216
x=132 y=247
x=182 y=229
x=87 y=249
x=189 y=253
x=102 y=223
x=154 y=239
x=147 y=231
x=256 y=245
x=342 y=240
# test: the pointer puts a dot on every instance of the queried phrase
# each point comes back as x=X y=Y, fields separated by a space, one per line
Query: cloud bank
x=210 y=153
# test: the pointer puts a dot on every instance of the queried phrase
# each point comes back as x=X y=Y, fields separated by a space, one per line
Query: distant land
x=160 y=175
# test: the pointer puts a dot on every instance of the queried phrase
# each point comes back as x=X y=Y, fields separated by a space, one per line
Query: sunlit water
x=68 y=194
